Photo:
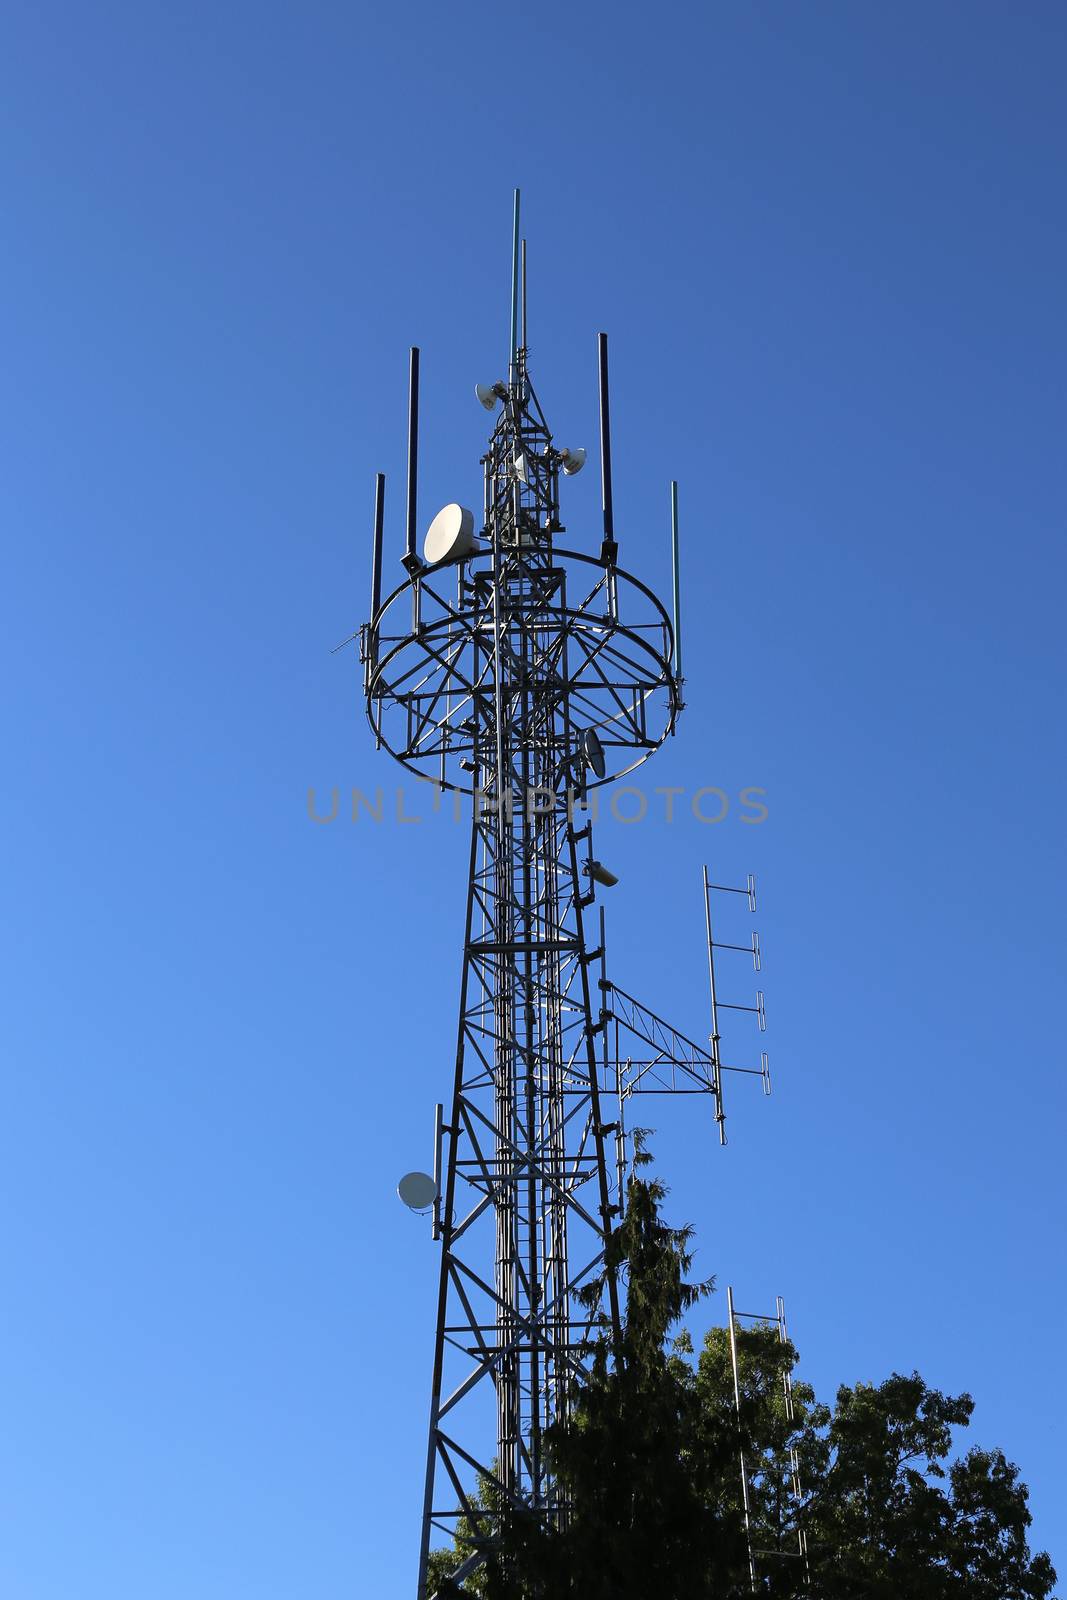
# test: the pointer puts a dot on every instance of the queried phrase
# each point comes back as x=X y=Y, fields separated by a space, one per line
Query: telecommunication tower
x=523 y=673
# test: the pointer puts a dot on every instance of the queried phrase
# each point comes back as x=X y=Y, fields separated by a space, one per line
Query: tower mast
x=523 y=674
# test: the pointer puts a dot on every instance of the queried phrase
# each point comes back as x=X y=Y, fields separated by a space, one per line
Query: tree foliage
x=884 y=1510
x=639 y=1457
x=648 y=1461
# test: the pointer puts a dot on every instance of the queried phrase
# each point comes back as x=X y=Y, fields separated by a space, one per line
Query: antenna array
x=757 y=1556
x=525 y=673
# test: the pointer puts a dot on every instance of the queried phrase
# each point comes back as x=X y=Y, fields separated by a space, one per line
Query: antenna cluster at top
x=452 y=534
x=432 y=689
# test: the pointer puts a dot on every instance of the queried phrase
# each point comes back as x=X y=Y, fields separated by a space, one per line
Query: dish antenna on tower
x=593 y=752
x=489 y=393
x=418 y=1191
x=450 y=535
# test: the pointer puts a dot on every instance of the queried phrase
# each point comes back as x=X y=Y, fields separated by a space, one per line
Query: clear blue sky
x=828 y=243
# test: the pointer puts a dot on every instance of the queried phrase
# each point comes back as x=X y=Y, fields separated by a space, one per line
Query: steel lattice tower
x=522 y=673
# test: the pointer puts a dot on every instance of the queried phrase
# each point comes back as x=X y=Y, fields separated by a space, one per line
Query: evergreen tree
x=648 y=1463
x=639 y=1460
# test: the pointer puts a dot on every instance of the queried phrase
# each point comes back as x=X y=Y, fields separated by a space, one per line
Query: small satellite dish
x=489 y=393
x=600 y=874
x=450 y=535
x=417 y=1190
x=593 y=752
x=572 y=461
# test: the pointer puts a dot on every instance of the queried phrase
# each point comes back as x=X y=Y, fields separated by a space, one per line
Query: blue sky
x=828 y=244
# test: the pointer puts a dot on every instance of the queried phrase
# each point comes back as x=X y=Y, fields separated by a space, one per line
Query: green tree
x=648 y=1460
x=883 y=1509
x=639 y=1458
x=890 y=1515
x=443 y=1563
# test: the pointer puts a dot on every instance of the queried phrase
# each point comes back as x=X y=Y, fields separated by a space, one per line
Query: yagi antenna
x=651 y=1055
x=732 y=1316
x=758 y=1010
x=795 y=1488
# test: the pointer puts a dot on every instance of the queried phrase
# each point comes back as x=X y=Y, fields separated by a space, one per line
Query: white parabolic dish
x=417 y=1190
x=450 y=534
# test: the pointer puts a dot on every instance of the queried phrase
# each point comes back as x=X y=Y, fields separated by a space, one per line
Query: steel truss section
x=485 y=674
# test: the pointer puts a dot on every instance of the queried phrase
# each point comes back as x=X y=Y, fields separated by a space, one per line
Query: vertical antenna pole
x=514 y=288
x=677 y=583
x=438 y=1122
x=609 y=549
x=741 y=1448
x=411 y=558
x=522 y=336
x=716 y=1064
x=371 y=634
x=376 y=558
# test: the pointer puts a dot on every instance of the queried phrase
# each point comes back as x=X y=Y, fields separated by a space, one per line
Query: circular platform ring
x=428 y=691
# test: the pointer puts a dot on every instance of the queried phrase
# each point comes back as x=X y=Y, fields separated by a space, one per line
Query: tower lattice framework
x=521 y=674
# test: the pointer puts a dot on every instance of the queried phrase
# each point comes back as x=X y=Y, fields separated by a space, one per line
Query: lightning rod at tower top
x=523 y=673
